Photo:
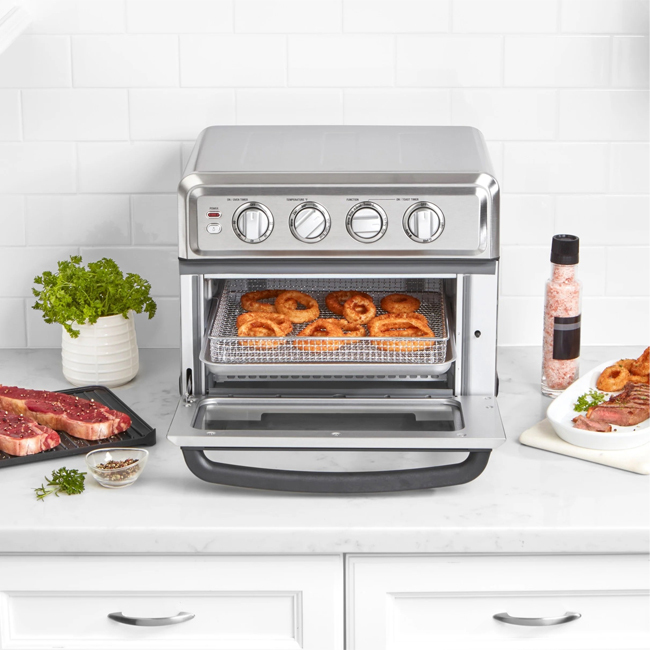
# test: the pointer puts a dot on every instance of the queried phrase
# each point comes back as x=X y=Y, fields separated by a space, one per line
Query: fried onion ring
x=285 y=324
x=284 y=304
x=359 y=310
x=321 y=329
x=400 y=303
x=639 y=379
x=613 y=379
x=351 y=330
x=642 y=365
x=251 y=301
x=401 y=326
x=336 y=299
x=260 y=327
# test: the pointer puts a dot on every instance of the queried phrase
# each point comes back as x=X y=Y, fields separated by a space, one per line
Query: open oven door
x=469 y=424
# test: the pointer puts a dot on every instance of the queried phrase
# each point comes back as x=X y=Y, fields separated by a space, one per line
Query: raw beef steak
x=21 y=436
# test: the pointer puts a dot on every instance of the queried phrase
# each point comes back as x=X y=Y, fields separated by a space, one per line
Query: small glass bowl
x=121 y=477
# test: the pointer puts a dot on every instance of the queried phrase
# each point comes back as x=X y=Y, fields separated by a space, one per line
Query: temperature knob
x=424 y=222
x=252 y=222
x=367 y=222
x=309 y=222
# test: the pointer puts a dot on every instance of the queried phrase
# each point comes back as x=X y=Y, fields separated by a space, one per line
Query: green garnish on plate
x=589 y=399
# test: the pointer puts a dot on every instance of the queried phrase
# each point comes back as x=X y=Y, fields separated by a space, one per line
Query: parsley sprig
x=76 y=294
x=70 y=481
x=586 y=401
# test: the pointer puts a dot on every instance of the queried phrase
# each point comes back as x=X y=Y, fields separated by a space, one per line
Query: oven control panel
x=259 y=222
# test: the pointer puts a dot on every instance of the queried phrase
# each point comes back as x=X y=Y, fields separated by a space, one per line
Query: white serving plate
x=560 y=413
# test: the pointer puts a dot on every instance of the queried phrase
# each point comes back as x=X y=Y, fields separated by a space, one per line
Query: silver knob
x=424 y=222
x=366 y=222
x=309 y=222
x=252 y=222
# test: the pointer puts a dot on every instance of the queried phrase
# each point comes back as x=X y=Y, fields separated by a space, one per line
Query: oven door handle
x=336 y=482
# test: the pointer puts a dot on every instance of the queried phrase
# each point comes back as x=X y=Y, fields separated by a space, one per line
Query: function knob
x=366 y=222
x=309 y=222
x=424 y=222
x=252 y=222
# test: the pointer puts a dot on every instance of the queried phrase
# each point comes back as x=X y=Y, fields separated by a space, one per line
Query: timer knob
x=424 y=222
x=252 y=222
x=366 y=222
x=309 y=222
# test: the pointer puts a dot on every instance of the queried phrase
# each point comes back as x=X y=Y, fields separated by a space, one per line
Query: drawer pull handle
x=504 y=617
x=181 y=617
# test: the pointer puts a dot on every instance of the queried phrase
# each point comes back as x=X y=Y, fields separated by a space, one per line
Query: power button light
x=214 y=228
x=213 y=214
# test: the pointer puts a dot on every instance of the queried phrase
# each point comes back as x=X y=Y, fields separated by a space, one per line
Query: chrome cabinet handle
x=181 y=617
x=504 y=617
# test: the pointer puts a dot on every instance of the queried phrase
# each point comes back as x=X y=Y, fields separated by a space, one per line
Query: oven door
x=465 y=428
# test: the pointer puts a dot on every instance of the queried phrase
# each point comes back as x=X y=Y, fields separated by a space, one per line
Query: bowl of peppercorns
x=117 y=468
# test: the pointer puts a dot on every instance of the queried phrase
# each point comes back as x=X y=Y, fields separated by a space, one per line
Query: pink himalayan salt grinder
x=562 y=305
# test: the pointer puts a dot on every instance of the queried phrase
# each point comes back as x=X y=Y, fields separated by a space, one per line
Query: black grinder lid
x=565 y=249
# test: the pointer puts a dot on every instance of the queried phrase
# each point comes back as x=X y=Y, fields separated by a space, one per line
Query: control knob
x=252 y=222
x=309 y=222
x=366 y=222
x=424 y=222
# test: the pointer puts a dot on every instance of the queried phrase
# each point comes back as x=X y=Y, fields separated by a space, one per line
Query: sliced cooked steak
x=581 y=422
x=78 y=417
x=625 y=409
x=21 y=436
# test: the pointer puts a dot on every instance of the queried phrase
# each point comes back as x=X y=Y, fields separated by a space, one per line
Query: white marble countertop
x=526 y=501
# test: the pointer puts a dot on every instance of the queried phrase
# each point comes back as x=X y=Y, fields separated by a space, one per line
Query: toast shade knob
x=424 y=222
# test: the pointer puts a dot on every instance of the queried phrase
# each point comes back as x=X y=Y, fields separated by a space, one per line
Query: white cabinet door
x=242 y=602
x=448 y=602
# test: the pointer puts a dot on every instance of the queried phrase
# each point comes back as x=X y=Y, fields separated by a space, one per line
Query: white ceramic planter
x=105 y=353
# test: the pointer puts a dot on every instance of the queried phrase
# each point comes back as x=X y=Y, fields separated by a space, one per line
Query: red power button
x=213 y=215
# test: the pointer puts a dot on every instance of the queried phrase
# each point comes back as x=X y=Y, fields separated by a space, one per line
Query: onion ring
x=284 y=304
x=285 y=324
x=321 y=329
x=351 y=330
x=359 y=310
x=642 y=365
x=639 y=379
x=336 y=299
x=257 y=327
x=613 y=379
x=251 y=301
x=400 y=303
x=401 y=326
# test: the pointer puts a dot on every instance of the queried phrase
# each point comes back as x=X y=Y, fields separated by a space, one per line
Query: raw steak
x=625 y=409
x=78 y=417
x=21 y=436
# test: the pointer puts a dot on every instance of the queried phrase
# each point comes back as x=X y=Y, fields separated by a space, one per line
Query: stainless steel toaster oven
x=378 y=210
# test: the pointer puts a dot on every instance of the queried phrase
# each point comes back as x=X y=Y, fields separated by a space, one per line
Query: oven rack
x=229 y=355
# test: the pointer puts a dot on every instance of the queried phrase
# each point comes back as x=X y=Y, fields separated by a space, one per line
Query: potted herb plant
x=95 y=305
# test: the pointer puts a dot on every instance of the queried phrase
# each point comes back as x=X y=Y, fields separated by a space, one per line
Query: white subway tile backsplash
x=605 y=16
x=20 y=265
x=520 y=321
x=630 y=168
x=76 y=16
x=39 y=333
x=179 y=16
x=12 y=323
x=396 y=16
x=287 y=16
x=506 y=114
x=605 y=220
x=397 y=106
x=154 y=219
x=541 y=167
x=125 y=61
x=75 y=114
x=527 y=219
x=495 y=149
x=37 y=167
x=449 y=61
x=628 y=271
x=10 y=122
x=505 y=16
x=233 y=60
x=179 y=113
x=157 y=265
x=557 y=61
x=341 y=60
x=12 y=218
x=36 y=62
x=79 y=220
x=603 y=115
x=164 y=329
x=289 y=106
x=600 y=328
x=630 y=62
x=129 y=168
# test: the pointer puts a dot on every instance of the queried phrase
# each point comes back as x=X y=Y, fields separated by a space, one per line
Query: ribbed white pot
x=105 y=353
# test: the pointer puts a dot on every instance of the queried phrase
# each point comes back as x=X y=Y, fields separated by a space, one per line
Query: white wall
x=100 y=102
